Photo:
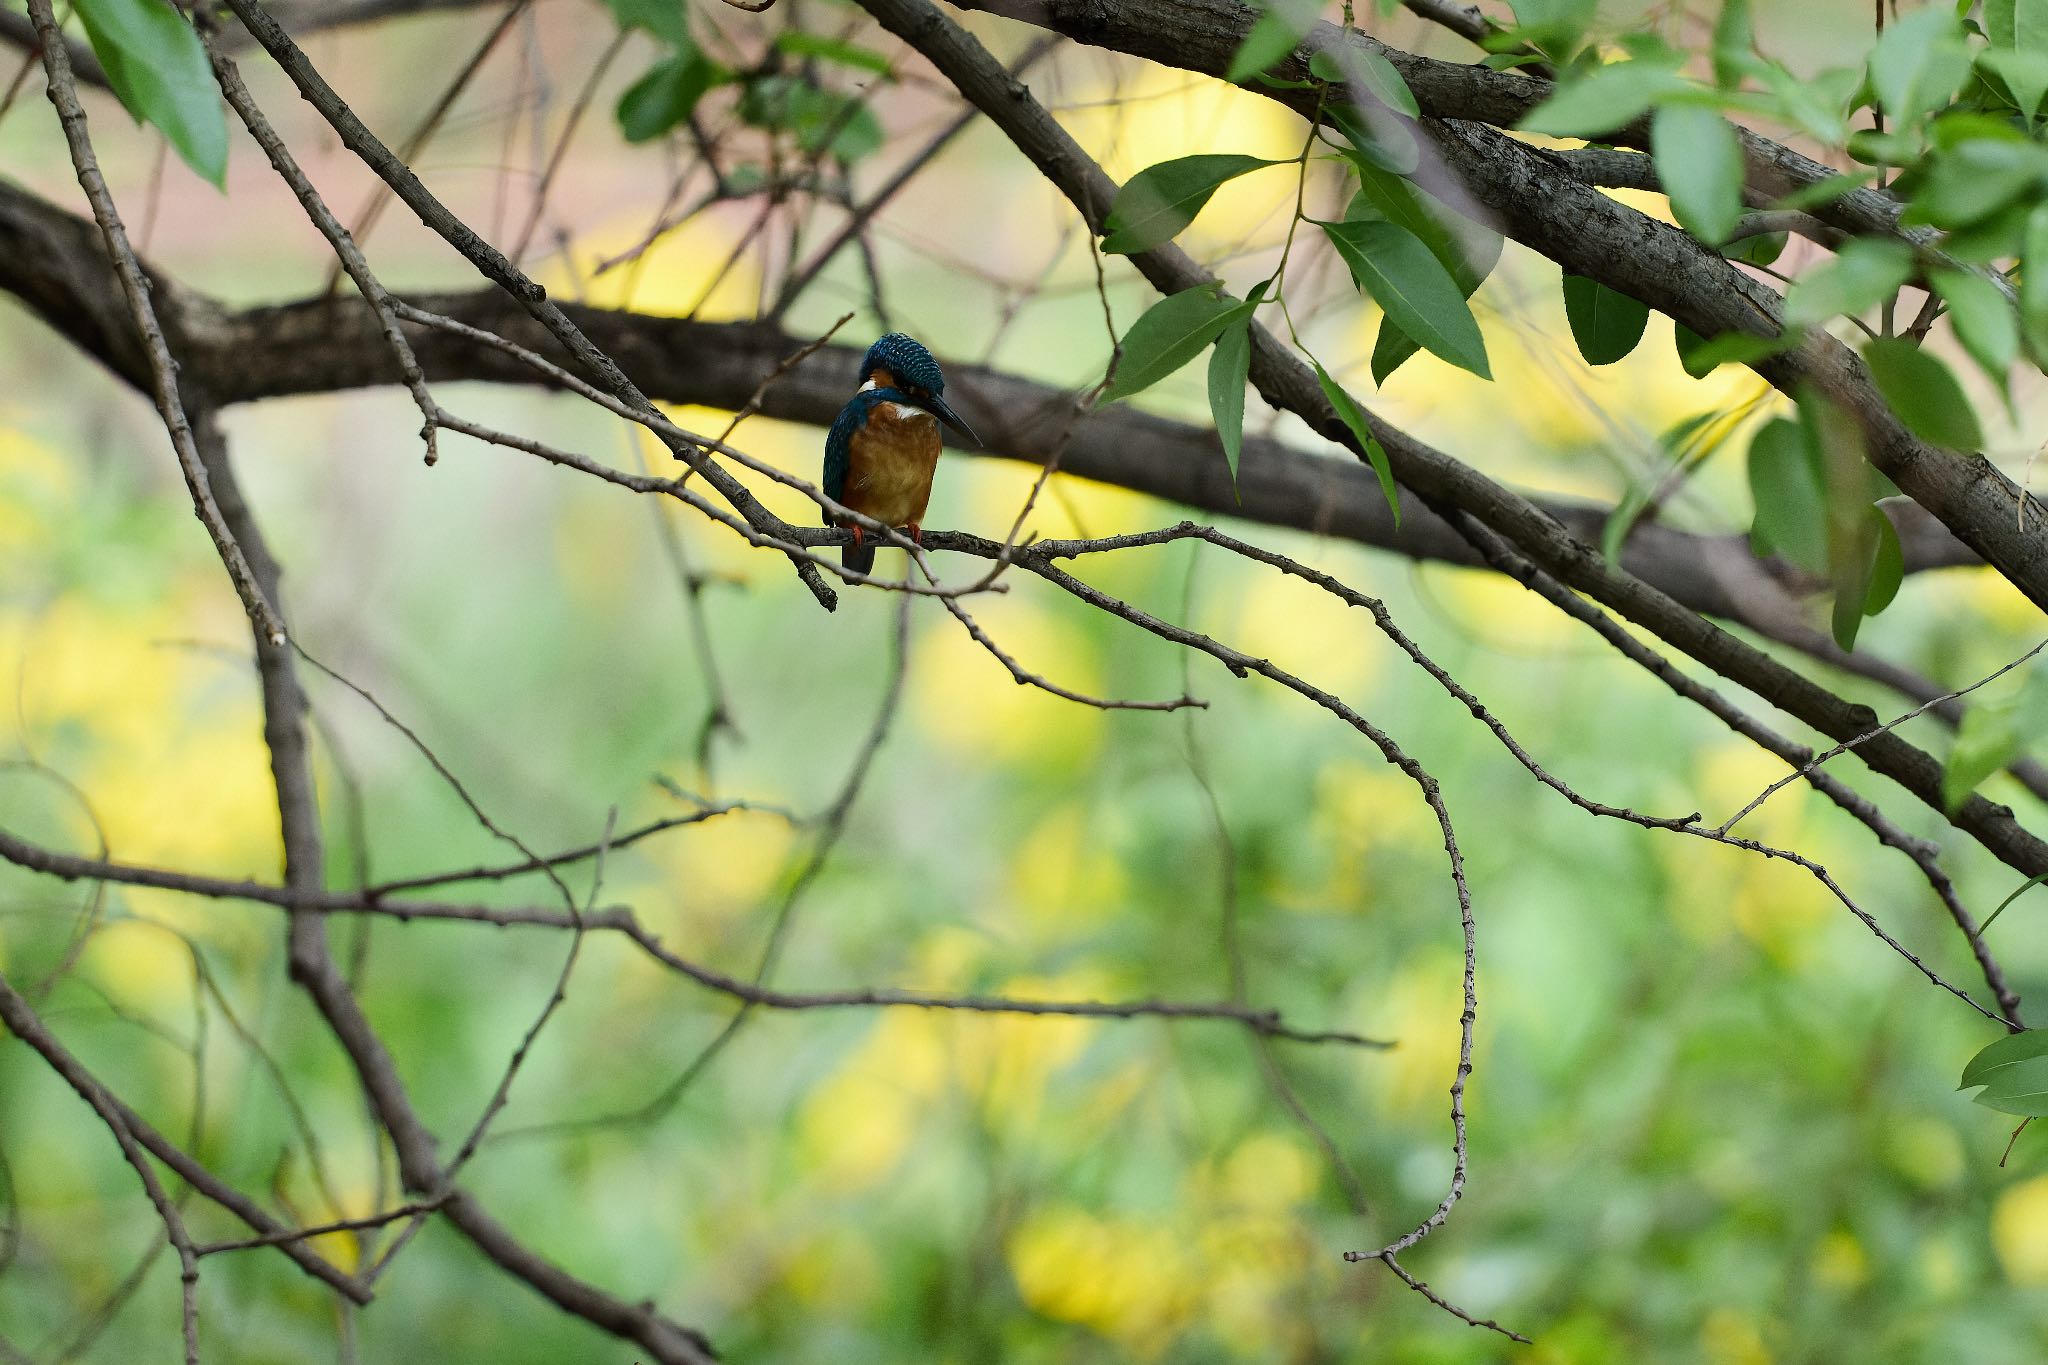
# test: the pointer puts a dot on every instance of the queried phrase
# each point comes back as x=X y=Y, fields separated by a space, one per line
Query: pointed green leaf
x=1699 y=163
x=1700 y=357
x=1983 y=321
x=2034 y=285
x=1556 y=26
x=2018 y=1087
x=2018 y=25
x=1809 y=104
x=1276 y=34
x=1172 y=332
x=1348 y=412
x=798 y=43
x=1848 y=483
x=1229 y=368
x=1412 y=287
x=1157 y=202
x=1918 y=63
x=1377 y=136
x=1606 y=324
x=1734 y=48
x=1390 y=350
x=158 y=67
x=664 y=19
x=1369 y=72
x=1923 y=393
x=1271 y=40
x=1889 y=570
x=1762 y=249
x=1863 y=274
x=664 y=97
x=1467 y=249
x=1610 y=97
x=1824 y=192
x=2023 y=74
x=1791 y=506
x=2007 y=1052
x=1614 y=531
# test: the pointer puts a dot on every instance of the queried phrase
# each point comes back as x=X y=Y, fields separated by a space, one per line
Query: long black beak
x=936 y=406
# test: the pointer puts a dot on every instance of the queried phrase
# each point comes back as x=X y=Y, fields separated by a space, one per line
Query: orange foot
x=857 y=535
x=916 y=533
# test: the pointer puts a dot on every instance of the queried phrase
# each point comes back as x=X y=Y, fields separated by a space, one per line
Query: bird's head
x=902 y=363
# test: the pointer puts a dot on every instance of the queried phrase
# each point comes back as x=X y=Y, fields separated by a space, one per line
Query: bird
x=884 y=446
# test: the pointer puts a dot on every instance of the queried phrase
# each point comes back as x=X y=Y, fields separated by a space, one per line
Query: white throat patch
x=902 y=412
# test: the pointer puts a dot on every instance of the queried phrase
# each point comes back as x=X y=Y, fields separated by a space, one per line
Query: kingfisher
x=884 y=445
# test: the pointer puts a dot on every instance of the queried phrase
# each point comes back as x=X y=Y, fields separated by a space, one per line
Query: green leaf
x=1918 y=63
x=1229 y=368
x=1377 y=137
x=158 y=67
x=1556 y=26
x=1699 y=162
x=1364 y=69
x=1888 y=572
x=1983 y=321
x=1761 y=249
x=1852 y=523
x=1700 y=357
x=1975 y=179
x=2021 y=1088
x=664 y=97
x=800 y=44
x=1611 y=97
x=1987 y=740
x=1864 y=273
x=1734 y=43
x=1925 y=395
x=1274 y=37
x=1156 y=203
x=2034 y=285
x=2013 y=1072
x=1349 y=414
x=1812 y=103
x=2023 y=74
x=1172 y=332
x=1614 y=531
x=1824 y=192
x=2017 y=25
x=1271 y=40
x=2002 y=1055
x=665 y=19
x=824 y=121
x=1467 y=249
x=1791 y=504
x=1605 y=323
x=1412 y=288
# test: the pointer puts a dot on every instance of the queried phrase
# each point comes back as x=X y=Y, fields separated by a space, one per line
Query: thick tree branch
x=52 y=262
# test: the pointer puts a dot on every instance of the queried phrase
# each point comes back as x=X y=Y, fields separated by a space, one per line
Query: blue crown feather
x=907 y=360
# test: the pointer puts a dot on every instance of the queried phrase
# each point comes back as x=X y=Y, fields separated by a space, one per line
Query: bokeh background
x=1712 y=1118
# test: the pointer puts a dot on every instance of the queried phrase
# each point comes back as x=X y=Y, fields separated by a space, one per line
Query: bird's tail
x=857 y=557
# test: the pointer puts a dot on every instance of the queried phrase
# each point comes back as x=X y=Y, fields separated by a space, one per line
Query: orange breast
x=889 y=472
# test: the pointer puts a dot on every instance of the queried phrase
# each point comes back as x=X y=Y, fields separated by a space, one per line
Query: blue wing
x=839 y=447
